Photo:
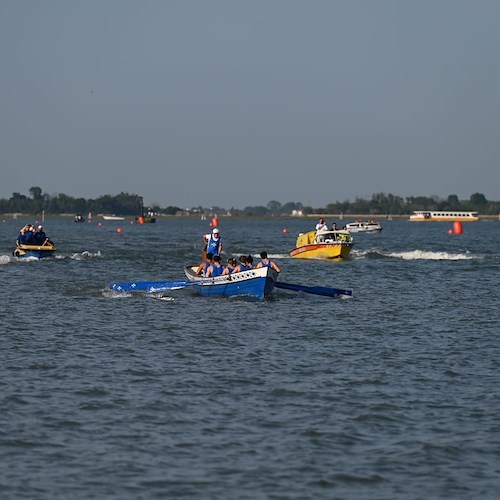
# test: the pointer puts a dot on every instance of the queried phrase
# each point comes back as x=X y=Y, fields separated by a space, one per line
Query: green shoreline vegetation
x=380 y=205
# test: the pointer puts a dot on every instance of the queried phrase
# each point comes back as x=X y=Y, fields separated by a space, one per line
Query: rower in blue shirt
x=265 y=262
x=216 y=268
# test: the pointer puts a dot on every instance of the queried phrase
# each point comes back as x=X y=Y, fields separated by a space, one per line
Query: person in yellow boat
x=321 y=226
x=25 y=236
x=40 y=238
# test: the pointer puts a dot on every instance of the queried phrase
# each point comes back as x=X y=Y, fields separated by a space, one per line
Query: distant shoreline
x=346 y=217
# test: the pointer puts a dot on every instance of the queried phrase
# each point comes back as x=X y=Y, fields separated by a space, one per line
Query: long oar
x=315 y=290
x=149 y=286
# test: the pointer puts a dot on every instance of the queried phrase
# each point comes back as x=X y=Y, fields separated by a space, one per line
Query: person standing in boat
x=321 y=226
x=213 y=243
x=265 y=262
x=216 y=268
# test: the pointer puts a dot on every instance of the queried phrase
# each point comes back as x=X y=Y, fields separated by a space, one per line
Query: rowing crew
x=29 y=236
x=212 y=265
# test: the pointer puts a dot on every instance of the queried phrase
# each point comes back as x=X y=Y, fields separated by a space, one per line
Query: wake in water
x=80 y=256
x=5 y=259
x=412 y=255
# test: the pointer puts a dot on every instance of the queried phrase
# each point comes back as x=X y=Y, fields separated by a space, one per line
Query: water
x=392 y=394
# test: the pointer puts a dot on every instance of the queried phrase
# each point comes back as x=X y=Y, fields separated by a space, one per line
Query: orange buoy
x=457 y=227
x=215 y=222
x=450 y=231
x=119 y=230
x=141 y=220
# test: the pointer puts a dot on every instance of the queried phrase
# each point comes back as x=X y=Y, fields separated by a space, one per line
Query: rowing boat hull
x=34 y=251
x=330 y=251
x=257 y=283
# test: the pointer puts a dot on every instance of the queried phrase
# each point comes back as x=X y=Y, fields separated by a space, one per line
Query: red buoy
x=450 y=231
x=457 y=227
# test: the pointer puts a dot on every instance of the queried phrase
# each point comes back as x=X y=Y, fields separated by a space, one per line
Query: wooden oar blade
x=148 y=286
x=314 y=290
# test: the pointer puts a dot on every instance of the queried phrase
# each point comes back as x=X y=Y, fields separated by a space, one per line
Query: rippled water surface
x=391 y=394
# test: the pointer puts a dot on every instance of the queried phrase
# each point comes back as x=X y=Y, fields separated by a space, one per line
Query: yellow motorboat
x=331 y=245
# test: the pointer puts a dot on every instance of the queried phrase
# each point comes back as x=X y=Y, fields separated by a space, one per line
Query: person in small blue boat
x=40 y=238
x=213 y=242
x=265 y=262
x=216 y=268
x=25 y=236
x=203 y=267
x=242 y=266
x=231 y=264
x=250 y=261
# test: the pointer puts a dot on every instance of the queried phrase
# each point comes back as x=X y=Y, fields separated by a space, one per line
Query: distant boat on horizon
x=443 y=216
x=113 y=217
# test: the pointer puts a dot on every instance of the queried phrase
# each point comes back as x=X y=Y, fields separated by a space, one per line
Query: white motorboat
x=364 y=226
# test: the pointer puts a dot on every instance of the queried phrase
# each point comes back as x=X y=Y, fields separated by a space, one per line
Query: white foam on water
x=277 y=256
x=160 y=296
x=427 y=255
x=113 y=294
x=86 y=255
x=5 y=259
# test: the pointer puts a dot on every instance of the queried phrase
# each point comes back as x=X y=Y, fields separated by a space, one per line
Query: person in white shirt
x=321 y=226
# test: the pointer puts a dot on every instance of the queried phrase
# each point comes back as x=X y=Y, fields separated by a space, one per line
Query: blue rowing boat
x=258 y=283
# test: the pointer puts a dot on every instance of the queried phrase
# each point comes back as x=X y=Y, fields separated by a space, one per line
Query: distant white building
x=297 y=213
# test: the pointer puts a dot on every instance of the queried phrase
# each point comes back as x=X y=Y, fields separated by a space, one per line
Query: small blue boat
x=258 y=283
x=34 y=251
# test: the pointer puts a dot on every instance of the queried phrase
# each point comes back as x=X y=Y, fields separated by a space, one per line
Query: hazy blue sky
x=236 y=103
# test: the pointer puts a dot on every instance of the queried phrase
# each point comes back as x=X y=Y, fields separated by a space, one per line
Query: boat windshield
x=332 y=236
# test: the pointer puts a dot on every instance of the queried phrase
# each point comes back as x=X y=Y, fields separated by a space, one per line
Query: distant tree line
x=131 y=204
x=123 y=204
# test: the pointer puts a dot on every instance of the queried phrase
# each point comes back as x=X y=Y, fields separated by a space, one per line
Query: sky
x=236 y=103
